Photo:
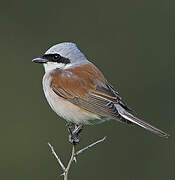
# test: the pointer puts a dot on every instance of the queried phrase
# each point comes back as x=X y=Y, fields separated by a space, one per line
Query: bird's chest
x=57 y=103
x=63 y=107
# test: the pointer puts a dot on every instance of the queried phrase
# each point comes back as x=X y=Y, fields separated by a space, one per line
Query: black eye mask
x=56 y=58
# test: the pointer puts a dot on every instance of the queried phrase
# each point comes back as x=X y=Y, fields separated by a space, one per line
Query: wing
x=86 y=87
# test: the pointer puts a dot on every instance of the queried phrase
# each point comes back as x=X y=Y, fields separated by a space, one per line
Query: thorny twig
x=73 y=156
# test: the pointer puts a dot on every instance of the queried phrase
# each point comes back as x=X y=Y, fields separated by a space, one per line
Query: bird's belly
x=66 y=109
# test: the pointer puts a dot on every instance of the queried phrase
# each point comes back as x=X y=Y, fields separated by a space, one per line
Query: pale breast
x=64 y=108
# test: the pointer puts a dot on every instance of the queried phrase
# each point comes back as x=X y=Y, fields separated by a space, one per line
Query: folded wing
x=86 y=87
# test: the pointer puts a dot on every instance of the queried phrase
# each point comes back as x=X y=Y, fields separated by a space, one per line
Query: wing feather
x=87 y=88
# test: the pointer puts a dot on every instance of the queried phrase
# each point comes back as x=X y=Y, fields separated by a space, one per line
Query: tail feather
x=128 y=116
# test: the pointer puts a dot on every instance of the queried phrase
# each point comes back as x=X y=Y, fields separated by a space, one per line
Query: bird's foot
x=73 y=137
x=69 y=125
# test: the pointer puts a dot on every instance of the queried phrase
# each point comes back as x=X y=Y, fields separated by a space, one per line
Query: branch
x=57 y=158
x=70 y=162
x=73 y=156
x=89 y=146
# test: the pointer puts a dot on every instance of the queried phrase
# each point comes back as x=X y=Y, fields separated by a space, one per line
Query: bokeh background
x=132 y=42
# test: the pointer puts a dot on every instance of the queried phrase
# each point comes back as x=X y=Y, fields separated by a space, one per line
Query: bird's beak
x=40 y=60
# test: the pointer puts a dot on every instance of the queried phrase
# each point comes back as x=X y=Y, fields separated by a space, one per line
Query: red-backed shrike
x=78 y=92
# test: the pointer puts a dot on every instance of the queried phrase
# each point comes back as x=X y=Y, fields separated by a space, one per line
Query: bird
x=79 y=93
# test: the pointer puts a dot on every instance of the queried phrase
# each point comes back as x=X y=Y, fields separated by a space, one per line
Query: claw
x=77 y=130
x=73 y=137
x=62 y=174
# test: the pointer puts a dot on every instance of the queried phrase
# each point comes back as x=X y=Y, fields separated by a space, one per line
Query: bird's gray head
x=63 y=55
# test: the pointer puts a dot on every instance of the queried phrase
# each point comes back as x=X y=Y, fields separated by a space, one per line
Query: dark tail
x=128 y=116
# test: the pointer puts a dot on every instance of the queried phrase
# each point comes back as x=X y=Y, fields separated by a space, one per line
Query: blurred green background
x=132 y=42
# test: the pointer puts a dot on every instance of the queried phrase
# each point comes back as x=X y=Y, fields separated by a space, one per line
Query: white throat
x=49 y=66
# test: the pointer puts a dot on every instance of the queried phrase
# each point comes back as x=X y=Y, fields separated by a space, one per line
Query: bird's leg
x=70 y=125
x=73 y=137
x=77 y=130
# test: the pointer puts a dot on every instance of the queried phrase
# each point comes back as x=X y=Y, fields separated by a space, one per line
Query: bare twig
x=57 y=158
x=74 y=154
x=70 y=162
x=89 y=146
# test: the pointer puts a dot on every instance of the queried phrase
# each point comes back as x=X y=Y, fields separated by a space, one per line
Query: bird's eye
x=56 y=57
